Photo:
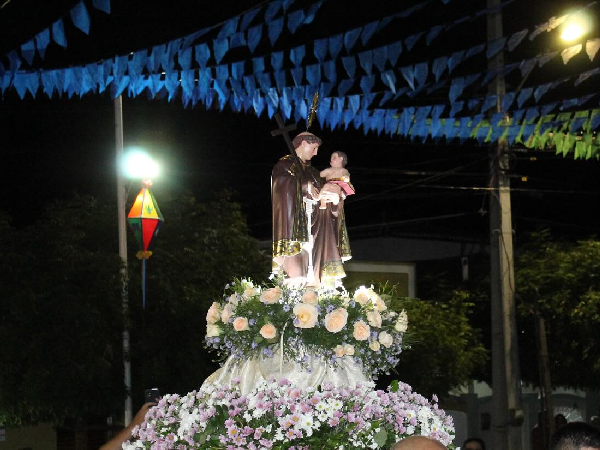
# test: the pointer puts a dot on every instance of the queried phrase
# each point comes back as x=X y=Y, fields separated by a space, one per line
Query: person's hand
x=141 y=414
x=329 y=197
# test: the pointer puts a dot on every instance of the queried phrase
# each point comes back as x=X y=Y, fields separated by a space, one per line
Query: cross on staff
x=284 y=130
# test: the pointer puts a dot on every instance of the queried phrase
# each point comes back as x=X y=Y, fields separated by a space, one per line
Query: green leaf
x=380 y=437
x=394 y=386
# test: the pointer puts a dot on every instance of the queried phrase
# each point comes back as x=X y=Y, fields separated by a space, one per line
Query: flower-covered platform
x=297 y=373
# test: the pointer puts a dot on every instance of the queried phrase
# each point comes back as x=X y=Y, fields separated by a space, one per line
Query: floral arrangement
x=255 y=320
x=276 y=415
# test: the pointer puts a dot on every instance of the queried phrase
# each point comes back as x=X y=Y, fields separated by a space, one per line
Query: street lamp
x=576 y=25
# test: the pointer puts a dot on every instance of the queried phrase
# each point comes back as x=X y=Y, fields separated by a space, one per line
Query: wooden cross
x=284 y=130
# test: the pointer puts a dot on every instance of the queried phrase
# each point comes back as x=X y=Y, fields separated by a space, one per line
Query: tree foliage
x=61 y=315
x=561 y=281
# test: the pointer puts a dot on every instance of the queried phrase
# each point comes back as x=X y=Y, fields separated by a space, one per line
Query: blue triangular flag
x=495 y=46
x=264 y=81
x=455 y=59
x=547 y=109
x=421 y=72
x=237 y=70
x=297 y=55
x=531 y=114
x=542 y=60
x=297 y=75
x=350 y=38
x=250 y=84
x=366 y=83
x=28 y=51
x=202 y=54
x=393 y=51
x=280 y=79
x=389 y=79
x=456 y=88
x=80 y=17
x=254 y=35
x=277 y=60
x=294 y=20
x=433 y=33
x=313 y=74
x=272 y=9
x=507 y=101
x=312 y=11
x=367 y=31
x=489 y=102
x=474 y=51
x=237 y=40
x=344 y=86
x=58 y=33
x=366 y=61
x=349 y=63
x=516 y=39
x=541 y=90
x=456 y=107
x=184 y=58
x=275 y=29
x=247 y=18
x=408 y=72
x=102 y=5
x=438 y=67
x=524 y=96
x=411 y=40
x=42 y=40
x=354 y=103
x=222 y=72
x=320 y=49
x=330 y=71
x=228 y=28
x=220 y=48
x=335 y=45
x=380 y=57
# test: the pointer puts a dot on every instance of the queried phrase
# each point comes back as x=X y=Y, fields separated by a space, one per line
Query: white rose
x=374 y=318
x=362 y=295
x=374 y=345
x=213 y=330
x=227 y=313
x=339 y=351
x=234 y=299
x=386 y=339
x=402 y=322
x=271 y=296
x=310 y=297
x=378 y=303
x=349 y=349
x=249 y=293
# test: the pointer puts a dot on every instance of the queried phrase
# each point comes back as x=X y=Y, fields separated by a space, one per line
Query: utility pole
x=507 y=415
x=122 y=224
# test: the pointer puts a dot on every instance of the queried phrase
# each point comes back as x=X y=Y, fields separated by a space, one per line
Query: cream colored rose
x=386 y=339
x=339 y=351
x=374 y=346
x=310 y=297
x=240 y=324
x=213 y=330
x=234 y=298
x=374 y=318
x=362 y=295
x=271 y=296
x=249 y=292
x=336 y=320
x=361 y=331
x=349 y=349
x=268 y=331
x=378 y=303
x=402 y=322
x=214 y=313
x=306 y=315
x=227 y=312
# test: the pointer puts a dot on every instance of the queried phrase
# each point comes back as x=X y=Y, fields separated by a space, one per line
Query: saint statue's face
x=306 y=151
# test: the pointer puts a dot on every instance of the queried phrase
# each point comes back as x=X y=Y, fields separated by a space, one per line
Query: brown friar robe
x=290 y=184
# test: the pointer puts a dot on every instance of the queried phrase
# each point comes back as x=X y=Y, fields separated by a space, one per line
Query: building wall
x=40 y=437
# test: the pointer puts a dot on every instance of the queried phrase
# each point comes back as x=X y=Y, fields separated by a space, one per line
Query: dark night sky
x=51 y=148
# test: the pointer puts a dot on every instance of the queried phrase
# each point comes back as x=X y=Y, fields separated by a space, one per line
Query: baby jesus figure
x=337 y=177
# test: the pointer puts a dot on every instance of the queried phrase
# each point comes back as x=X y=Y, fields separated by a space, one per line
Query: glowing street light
x=576 y=25
x=139 y=164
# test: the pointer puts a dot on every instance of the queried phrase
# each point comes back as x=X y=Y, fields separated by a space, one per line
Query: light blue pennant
x=335 y=45
x=433 y=33
x=439 y=66
x=102 y=5
x=320 y=49
x=280 y=79
x=258 y=64
x=455 y=59
x=475 y=50
x=350 y=38
x=202 y=54
x=366 y=83
x=80 y=17
x=42 y=39
x=421 y=72
x=344 y=86
x=237 y=40
x=28 y=51
x=248 y=17
x=330 y=71
x=237 y=70
x=297 y=55
x=275 y=29
x=58 y=33
x=411 y=40
x=393 y=51
x=295 y=19
x=366 y=61
x=408 y=72
x=494 y=47
x=228 y=28
x=220 y=48
x=349 y=63
x=367 y=31
x=254 y=35
x=389 y=79
x=297 y=76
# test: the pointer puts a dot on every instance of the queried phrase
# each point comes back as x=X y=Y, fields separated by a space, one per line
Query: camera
x=151 y=395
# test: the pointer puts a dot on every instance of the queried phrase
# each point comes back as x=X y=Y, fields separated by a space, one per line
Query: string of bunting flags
x=230 y=84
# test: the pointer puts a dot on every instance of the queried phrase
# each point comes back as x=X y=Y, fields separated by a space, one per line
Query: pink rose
x=336 y=320
x=310 y=297
x=271 y=296
x=240 y=324
x=268 y=331
x=306 y=315
x=362 y=331
x=374 y=318
x=214 y=313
